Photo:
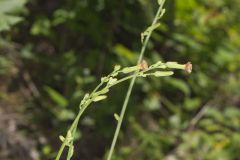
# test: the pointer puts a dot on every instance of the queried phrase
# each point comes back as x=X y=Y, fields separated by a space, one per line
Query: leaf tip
x=116 y=116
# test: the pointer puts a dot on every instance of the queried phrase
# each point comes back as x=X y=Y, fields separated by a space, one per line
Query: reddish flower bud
x=188 y=67
x=143 y=65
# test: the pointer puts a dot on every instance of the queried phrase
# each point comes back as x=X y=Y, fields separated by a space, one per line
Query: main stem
x=131 y=86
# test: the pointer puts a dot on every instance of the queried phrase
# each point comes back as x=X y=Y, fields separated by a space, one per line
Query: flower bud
x=188 y=67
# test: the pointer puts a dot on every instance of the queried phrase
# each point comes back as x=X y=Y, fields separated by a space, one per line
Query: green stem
x=60 y=151
x=72 y=129
x=131 y=86
x=74 y=125
x=83 y=107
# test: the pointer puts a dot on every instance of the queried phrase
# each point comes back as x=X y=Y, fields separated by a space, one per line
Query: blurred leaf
x=61 y=16
x=8 y=9
x=124 y=52
x=6 y=21
x=179 y=84
x=5 y=65
x=192 y=103
x=56 y=96
x=11 y=6
x=65 y=115
x=188 y=41
x=47 y=149
x=41 y=27
x=152 y=102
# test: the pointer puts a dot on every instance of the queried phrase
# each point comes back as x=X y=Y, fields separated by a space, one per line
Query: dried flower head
x=188 y=67
x=143 y=65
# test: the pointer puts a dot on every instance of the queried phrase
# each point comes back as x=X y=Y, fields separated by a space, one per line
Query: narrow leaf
x=130 y=69
x=56 y=97
x=161 y=14
x=112 y=81
x=11 y=6
x=104 y=91
x=84 y=99
x=175 y=65
x=149 y=30
x=99 y=98
x=116 y=116
x=71 y=150
x=162 y=73
x=62 y=138
x=116 y=68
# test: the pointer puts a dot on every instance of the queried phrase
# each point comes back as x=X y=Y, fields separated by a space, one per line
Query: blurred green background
x=54 y=51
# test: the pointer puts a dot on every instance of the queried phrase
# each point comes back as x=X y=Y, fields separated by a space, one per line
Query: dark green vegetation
x=52 y=52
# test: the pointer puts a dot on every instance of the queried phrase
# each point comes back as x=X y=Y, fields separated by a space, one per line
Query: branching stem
x=132 y=84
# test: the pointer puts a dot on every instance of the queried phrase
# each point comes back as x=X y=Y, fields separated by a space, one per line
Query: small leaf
x=71 y=150
x=162 y=13
x=56 y=97
x=160 y=2
x=86 y=96
x=101 y=92
x=149 y=30
x=162 y=73
x=104 y=79
x=99 y=98
x=114 y=74
x=69 y=138
x=62 y=138
x=159 y=64
x=142 y=74
x=69 y=135
x=84 y=99
x=130 y=69
x=175 y=65
x=116 y=116
x=112 y=81
x=117 y=67
x=104 y=91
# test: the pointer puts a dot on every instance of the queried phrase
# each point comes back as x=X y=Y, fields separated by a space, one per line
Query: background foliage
x=52 y=52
